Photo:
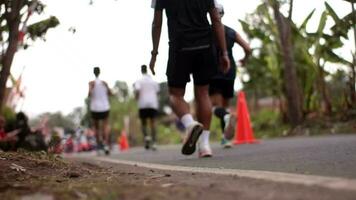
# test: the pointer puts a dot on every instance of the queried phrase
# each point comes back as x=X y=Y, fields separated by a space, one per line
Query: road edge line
x=334 y=183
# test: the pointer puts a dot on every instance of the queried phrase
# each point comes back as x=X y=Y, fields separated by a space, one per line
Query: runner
x=99 y=93
x=191 y=52
x=221 y=88
x=146 y=90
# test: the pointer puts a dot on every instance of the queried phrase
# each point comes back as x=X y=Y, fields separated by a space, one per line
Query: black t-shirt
x=188 y=24
x=230 y=37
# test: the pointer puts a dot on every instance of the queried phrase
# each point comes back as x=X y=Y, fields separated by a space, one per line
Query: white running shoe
x=204 y=150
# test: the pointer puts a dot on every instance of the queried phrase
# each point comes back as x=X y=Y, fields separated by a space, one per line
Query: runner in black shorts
x=147 y=113
x=99 y=106
x=99 y=115
x=146 y=93
x=191 y=52
x=222 y=85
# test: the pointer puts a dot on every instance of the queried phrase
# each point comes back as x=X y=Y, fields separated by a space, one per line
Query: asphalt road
x=333 y=156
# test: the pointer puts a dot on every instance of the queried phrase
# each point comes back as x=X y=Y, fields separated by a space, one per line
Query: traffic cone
x=124 y=143
x=244 y=132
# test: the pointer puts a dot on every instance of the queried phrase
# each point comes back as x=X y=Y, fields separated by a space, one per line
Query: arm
x=109 y=90
x=91 y=87
x=245 y=46
x=218 y=28
x=156 y=36
x=137 y=95
x=136 y=91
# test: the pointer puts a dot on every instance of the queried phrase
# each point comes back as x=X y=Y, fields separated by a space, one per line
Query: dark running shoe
x=107 y=150
x=192 y=136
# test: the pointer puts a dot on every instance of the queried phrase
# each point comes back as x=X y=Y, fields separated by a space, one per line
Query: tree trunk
x=290 y=15
x=353 y=67
x=13 y=21
x=292 y=90
x=324 y=90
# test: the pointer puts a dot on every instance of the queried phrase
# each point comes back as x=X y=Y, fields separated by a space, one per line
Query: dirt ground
x=39 y=176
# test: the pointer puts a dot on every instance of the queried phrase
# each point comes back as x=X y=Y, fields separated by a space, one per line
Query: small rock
x=73 y=175
x=37 y=196
x=17 y=167
x=166 y=185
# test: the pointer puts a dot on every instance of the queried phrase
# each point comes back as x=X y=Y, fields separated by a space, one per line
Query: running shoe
x=153 y=147
x=106 y=150
x=192 y=135
x=229 y=129
x=204 y=150
x=147 y=142
x=226 y=143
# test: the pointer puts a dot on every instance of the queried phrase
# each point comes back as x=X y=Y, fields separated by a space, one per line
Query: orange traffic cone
x=244 y=132
x=124 y=143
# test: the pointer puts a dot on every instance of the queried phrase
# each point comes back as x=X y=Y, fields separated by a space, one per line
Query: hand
x=224 y=63
x=152 y=64
x=243 y=61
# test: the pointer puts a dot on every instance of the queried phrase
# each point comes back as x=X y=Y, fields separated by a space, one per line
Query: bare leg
x=106 y=131
x=97 y=131
x=217 y=100
x=203 y=105
x=153 y=129
x=226 y=103
x=144 y=126
x=179 y=105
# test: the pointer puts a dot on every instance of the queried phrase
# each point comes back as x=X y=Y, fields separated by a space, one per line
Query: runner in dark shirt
x=221 y=88
x=191 y=52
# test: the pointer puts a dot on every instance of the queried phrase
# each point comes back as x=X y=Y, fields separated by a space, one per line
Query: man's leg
x=203 y=105
x=179 y=105
x=218 y=109
x=153 y=132
x=221 y=100
x=147 y=139
x=106 y=132
x=203 y=110
x=98 y=136
x=181 y=109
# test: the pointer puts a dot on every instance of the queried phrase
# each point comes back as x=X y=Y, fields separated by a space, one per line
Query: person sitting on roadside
x=7 y=139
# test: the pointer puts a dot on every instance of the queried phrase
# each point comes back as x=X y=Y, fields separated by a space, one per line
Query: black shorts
x=200 y=63
x=145 y=113
x=99 y=115
x=222 y=86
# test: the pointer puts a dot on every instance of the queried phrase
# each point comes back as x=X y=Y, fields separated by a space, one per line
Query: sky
x=116 y=36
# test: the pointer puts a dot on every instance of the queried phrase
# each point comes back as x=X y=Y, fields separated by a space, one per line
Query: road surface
x=332 y=156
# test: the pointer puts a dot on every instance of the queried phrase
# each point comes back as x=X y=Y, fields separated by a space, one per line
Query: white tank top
x=99 y=101
x=148 y=90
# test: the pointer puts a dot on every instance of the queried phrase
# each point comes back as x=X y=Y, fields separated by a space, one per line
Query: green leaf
x=342 y=27
x=332 y=13
x=330 y=56
x=305 y=22
x=39 y=29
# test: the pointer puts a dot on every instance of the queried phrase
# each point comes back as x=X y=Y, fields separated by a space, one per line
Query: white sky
x=115 y=35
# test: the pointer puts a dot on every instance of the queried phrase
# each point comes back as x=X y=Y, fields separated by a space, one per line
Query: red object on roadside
x=244 y=132
x=124 y=143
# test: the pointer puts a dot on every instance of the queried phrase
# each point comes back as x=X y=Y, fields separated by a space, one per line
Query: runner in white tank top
x=99 y=101
x=146 y=90
x=99 y=93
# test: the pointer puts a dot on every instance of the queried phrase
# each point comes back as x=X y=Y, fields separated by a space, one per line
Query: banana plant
x=14 y=15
